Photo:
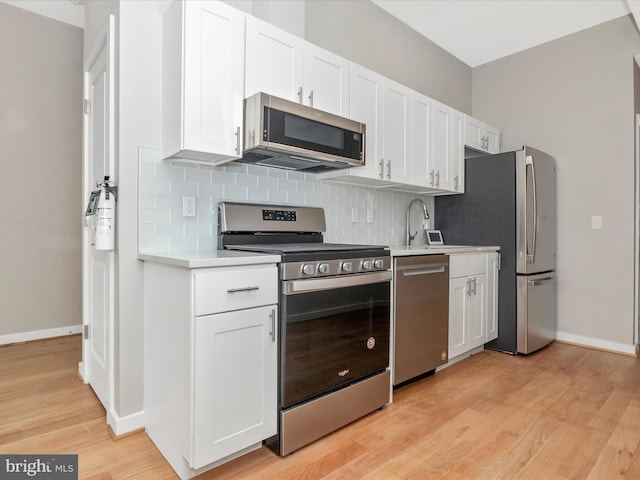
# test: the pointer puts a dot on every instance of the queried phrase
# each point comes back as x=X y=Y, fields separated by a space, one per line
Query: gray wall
x=40 y=184
x=573 y=98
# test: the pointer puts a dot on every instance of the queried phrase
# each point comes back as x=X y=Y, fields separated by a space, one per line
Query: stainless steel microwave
x=284 y=134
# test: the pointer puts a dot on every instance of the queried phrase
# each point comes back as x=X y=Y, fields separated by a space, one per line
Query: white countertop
x=213 y=258
x=402 y=250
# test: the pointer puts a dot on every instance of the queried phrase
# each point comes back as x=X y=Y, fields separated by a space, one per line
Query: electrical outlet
x=188 y=206
x=369 y=215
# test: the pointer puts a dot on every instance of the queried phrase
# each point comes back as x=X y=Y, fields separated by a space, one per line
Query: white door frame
x=105 y=44
x=636 y=250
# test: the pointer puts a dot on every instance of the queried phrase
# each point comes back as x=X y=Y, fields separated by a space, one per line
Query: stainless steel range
x=334 y=319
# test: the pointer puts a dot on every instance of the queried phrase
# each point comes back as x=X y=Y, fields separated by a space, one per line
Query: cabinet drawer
x=228 y=289
x=464 y=264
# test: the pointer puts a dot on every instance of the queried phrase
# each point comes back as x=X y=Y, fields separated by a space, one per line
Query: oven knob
x=367 y=265
x=347 y=267
x=323 y=268
x=378 y=264
x=308 y=269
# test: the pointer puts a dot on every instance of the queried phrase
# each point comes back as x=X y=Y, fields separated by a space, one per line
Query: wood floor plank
x=562 y=413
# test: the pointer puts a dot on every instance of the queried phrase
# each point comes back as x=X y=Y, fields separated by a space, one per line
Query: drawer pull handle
x=242 y=289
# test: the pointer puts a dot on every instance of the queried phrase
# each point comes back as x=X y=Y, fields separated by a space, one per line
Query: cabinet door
x=326 y=81
x=234 y=382
x=441 y=146
x=421 y=115
x=473 y=133
x=457 y=152
x=492 y=136
x=477 y=311
x=365 y=106
x=274 y=61
x=396 y=141
x=458 y=313
x=203 y=50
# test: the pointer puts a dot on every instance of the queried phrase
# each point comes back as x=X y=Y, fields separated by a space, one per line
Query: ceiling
x=479 y=31
x=474 y=31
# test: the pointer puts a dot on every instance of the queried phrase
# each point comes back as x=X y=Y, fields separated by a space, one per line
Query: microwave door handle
x=531 y=255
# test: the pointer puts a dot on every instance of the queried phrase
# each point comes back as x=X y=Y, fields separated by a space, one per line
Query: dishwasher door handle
x=423 y=271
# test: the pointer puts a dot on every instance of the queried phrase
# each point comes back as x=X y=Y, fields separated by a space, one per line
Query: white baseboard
x=597 y=343
x=123 y=425
x=39 y=334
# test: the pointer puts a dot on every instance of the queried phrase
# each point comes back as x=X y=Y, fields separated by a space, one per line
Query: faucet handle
x=412 y=237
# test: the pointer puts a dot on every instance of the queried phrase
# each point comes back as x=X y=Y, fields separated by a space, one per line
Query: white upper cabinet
x=326 y=81
x=366 y=106
x=396 y=142
x=203 y=53
x=457 y=152
x=385 y=107
x=283 y=65
x=441 y=146
x=421 y=137
x=481 y=136
x=274 y=61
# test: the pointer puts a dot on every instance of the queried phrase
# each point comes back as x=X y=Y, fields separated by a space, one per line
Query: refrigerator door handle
x=541 y=281
x=531 y=254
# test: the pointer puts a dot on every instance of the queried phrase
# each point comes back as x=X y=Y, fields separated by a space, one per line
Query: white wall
x=573 y=98
x=40 y=184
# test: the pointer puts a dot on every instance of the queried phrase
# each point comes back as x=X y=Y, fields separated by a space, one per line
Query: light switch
x=596 y=222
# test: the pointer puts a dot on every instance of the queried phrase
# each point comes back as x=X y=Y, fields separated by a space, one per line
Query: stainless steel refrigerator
x=510 y=201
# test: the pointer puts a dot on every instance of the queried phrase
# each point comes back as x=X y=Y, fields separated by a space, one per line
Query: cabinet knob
x=311 y=99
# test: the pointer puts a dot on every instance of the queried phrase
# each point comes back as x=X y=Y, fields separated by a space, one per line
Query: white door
x=98 y=268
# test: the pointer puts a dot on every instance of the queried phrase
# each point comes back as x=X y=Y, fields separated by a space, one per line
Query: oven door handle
x=293 y=287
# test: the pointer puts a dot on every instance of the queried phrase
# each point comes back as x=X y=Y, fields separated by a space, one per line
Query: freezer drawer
x=536 y=323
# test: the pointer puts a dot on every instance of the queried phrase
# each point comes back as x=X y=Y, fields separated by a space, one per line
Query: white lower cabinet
x=210 y=389
x=472 y=301
x=234 y=382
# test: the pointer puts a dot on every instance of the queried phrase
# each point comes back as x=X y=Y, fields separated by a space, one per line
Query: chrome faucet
x=408 y=236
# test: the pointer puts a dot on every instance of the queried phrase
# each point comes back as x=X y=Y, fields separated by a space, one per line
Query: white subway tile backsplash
x=163 y=183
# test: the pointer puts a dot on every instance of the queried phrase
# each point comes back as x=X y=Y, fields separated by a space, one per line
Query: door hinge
x=87 y=106
x=499 y=261
x=85 y=332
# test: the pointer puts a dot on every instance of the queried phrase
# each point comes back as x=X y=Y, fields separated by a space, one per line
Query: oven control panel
x=323 y=268
x=279 y=215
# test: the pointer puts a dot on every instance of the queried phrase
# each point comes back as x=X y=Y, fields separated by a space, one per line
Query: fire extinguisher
x=103 y=206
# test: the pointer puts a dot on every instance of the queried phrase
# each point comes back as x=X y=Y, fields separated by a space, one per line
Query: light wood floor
x=563 y=413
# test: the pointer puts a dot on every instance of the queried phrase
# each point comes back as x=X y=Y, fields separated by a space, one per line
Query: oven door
x=334 y=331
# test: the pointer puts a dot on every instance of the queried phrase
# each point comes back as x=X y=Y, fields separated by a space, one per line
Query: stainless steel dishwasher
x=421 y=307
